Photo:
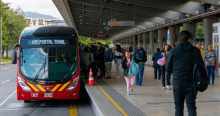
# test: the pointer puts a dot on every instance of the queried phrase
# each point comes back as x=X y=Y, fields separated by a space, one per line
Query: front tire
x=27 y=101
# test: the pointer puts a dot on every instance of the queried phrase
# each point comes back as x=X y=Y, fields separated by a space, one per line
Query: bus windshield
x=48 y=63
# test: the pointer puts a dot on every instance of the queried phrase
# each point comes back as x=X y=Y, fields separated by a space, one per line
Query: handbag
x=162 y=61
x=134 y=68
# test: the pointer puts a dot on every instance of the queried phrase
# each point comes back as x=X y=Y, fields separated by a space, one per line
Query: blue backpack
x=140 y=56
x=134 y=68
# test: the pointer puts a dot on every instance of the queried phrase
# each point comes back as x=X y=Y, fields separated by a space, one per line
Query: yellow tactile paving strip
x=73 y=110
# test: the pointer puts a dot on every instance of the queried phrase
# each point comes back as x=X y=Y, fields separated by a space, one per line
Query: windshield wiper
x=43 y=65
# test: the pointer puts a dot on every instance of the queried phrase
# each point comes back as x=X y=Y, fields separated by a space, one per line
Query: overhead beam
x=181 y=6
x=140 y=9
x=213 y=2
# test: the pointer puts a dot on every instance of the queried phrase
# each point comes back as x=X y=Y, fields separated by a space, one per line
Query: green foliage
x=200 y=29
x=87 y=41
x=15 y=23
x=7 y=59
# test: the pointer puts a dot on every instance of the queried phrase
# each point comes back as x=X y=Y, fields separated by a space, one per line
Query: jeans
x=118 y=62
x=155 y=72
x=130 y=82
x=141 y=72
x=163 y=76
x=211 y=71
x=182 y=91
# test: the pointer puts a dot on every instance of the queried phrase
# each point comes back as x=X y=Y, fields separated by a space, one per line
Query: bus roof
x=49 y=31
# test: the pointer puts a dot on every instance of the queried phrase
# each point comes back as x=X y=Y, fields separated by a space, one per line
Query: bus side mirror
x=14 y=54
x=14 y=57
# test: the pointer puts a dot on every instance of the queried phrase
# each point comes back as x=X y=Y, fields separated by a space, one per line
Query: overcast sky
x=45 y=7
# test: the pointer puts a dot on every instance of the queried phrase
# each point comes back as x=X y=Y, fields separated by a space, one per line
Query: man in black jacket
x=156 y=66
x=101 y=51
x=179 y=62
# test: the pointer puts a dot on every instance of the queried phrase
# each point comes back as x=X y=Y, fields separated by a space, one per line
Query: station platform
x=109 y=97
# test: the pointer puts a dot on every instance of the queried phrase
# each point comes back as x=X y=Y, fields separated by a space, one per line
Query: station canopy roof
x=86 y=16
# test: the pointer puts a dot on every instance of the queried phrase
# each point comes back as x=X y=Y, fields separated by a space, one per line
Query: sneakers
x=163 y=88
x=128 y=93
x=168 y=87
x=118 y=77
x=131 y=91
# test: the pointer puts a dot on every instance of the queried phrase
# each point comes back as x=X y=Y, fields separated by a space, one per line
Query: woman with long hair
x=165 y=52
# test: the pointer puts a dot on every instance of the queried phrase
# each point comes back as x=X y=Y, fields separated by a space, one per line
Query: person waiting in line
x=93 y=64
x=101 y=51
x=87 y=61
x=131 y=50
x=118 y=56
x=141 y=56
x=108 y=60
x=156 y=66
x=209 y=58
x=130 y=79
x=179 y=62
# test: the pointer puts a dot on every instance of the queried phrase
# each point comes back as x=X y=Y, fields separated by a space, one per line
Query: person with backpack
x=156 y=66
x=131 y=68
x=180 y=63
x=118 y=56
x=141 y=56
x=108 y=60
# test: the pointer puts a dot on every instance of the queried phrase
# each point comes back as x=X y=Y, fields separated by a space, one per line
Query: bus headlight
x=23 y=85
x=73 y=84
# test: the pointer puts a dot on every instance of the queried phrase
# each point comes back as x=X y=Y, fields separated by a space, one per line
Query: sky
x=45 y=7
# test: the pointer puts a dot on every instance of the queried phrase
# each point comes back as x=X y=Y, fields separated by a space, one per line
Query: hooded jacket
x=154 y=58
x=179 y=62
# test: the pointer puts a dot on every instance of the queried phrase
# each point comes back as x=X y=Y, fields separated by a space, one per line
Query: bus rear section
x=48 y=64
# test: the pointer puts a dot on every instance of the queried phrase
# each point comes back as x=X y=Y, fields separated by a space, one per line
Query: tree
x=87 y=41
x=199 y=29
x=181 y=28
x=3 y=8
x=15 y=23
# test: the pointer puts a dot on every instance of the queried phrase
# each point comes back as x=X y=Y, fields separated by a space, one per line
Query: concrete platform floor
x=152 y=100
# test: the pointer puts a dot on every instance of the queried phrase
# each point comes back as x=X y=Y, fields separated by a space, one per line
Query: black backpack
x=199 y=75
x=141 y=56
x=110 y=54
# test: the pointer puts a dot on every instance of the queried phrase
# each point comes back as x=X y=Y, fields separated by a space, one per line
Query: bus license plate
x=48 y=94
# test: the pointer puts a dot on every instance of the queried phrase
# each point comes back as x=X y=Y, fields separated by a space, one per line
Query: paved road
x=10 y=106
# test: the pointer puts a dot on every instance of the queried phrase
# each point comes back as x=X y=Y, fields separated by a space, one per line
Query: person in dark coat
x=156 y=66
x=101 y=51
x=179 y=62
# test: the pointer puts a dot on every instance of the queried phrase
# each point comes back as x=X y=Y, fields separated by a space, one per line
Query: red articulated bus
x=48 y=65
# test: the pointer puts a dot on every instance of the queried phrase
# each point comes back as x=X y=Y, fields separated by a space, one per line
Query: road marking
x=8 y=98
x=113 y=102
x=5 y=81
x=73 y=110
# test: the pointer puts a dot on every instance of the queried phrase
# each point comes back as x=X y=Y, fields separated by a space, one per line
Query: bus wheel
x=27 y=101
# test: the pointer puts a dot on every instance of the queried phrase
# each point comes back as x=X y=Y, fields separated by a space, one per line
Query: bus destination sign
x=47 y=42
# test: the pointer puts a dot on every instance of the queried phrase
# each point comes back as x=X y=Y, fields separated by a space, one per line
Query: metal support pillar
x=191 y=27
x=162 y=36
x=153 y=38
x=207 y=22
x=145 y=37
x=134 y=43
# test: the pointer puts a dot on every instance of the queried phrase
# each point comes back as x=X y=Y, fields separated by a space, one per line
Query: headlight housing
x=23 y=85
x=73 y=84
